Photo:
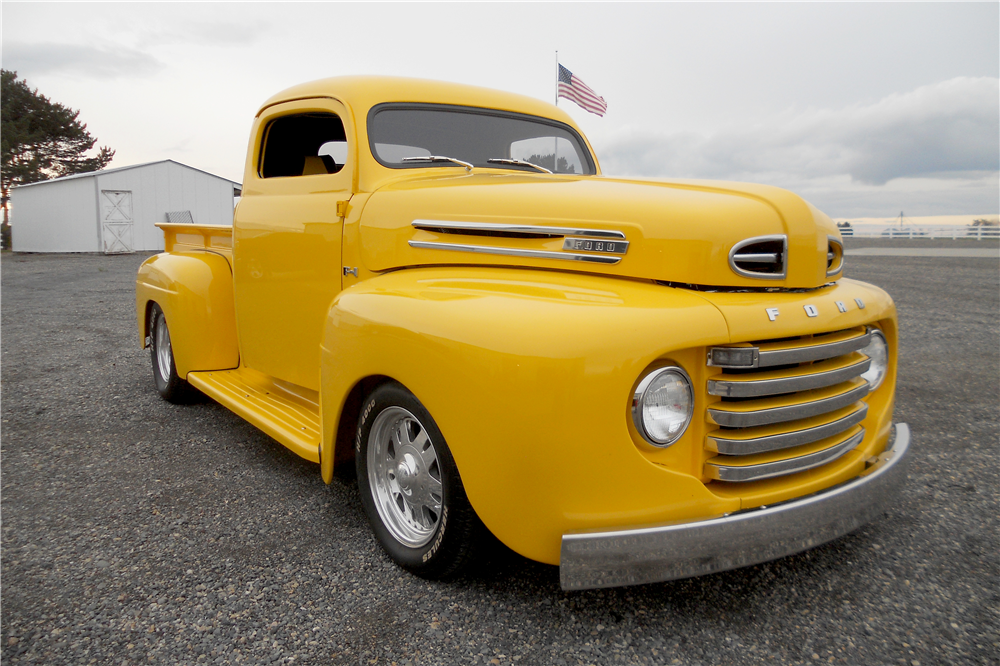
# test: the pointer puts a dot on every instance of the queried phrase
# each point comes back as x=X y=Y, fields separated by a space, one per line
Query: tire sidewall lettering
x=440 y=536
x=361 y=425
x=459 y=530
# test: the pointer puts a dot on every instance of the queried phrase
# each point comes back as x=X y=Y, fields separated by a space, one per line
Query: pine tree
x=39 y=140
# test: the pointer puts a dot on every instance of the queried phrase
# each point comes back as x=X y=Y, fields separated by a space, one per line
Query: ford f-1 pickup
x=433 y=285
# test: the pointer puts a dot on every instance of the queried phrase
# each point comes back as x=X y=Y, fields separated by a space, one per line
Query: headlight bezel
x=638 y=401
x=876 y=337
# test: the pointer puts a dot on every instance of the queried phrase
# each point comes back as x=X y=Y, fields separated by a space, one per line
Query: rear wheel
x=410 y=487
x=169 y=385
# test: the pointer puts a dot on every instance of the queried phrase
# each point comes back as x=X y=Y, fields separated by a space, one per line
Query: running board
x=287 y=413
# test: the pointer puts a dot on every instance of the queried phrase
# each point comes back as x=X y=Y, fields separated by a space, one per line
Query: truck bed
x=188 y=237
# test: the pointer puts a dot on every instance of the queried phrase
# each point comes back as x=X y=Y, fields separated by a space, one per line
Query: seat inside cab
x=305 y=144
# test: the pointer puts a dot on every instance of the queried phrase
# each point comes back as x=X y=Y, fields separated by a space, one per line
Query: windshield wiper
x=438 y=158
x=503 y=160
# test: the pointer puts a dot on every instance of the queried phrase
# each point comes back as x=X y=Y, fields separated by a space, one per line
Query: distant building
x=845 y=228
x=115 y=211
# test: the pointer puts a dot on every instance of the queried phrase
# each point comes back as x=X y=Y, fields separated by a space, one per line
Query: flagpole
x=557 y=77
x=555 y=140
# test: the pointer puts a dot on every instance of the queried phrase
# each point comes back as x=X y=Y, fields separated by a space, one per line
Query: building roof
x=126 y=168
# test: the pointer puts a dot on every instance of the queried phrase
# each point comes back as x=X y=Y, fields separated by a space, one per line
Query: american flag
x=573 y=89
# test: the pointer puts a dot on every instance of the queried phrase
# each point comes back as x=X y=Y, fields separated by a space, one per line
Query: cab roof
x=363 y=92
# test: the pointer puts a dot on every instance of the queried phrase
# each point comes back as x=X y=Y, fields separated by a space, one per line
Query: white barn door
x=116 y=219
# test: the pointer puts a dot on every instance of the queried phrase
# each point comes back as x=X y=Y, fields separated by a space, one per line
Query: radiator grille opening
x=799 y=407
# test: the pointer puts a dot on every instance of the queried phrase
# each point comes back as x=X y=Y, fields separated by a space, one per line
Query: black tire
x=170 y=387
x=431 y=544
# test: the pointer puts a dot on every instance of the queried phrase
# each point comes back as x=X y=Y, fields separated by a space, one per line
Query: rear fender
x=195 y=292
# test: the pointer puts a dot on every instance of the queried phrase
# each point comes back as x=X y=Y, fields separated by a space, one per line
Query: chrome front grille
x=786 y=405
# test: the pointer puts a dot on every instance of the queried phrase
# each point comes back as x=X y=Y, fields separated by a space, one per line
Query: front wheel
x=410 y=487
x=168 y=384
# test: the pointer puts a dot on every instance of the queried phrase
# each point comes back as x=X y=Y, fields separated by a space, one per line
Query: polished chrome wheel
x=410 y=487
x=164 y=354
x=169 y=384
x=405 y=476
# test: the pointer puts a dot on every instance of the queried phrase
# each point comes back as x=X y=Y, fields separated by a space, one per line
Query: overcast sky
x=864 y=109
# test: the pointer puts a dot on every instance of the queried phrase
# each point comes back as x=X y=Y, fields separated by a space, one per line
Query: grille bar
x=719 y=443
x=755 y=388
x=802 y=410
x=740 y=473
x=820 y=352
x=761 y=356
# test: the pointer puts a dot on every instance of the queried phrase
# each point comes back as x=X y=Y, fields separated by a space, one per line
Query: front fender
x=529 y=376
x=195 y=292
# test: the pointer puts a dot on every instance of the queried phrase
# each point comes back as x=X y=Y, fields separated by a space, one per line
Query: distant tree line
x=40 y=139
x=548 y=161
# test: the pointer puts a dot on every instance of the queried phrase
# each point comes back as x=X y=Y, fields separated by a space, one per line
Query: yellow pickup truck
x=433 y=285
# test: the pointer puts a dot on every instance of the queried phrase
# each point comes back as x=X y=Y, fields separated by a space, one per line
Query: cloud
x=948 y=128
x=840 y=196
x=210 y=33
x=78 y=60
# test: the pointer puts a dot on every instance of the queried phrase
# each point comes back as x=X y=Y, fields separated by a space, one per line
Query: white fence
x=952 y=231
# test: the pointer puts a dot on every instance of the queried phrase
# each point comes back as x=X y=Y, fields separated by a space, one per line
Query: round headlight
x=662 y=406
x=878 y=351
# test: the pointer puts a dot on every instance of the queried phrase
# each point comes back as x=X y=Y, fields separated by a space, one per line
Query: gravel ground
x=135 y=531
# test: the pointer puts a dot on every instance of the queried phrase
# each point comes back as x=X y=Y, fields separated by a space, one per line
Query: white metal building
x=115 y=210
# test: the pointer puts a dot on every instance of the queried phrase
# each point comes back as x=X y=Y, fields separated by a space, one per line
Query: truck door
x=287 y=235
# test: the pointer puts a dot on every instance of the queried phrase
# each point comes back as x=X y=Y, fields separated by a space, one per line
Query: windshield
x=476 y=136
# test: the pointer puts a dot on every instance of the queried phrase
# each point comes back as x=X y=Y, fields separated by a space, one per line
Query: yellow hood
x=677 y=231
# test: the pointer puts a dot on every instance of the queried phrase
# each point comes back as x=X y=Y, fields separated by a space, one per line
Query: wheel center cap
x=406 y=471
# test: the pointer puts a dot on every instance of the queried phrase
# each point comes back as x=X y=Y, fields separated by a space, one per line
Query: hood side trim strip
x=458 y=227
x=513 y=252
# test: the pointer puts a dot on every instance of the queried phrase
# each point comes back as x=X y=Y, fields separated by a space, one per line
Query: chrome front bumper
x=667 y=552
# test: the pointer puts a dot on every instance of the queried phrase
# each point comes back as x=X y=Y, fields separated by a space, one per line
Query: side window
x=307 y=144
